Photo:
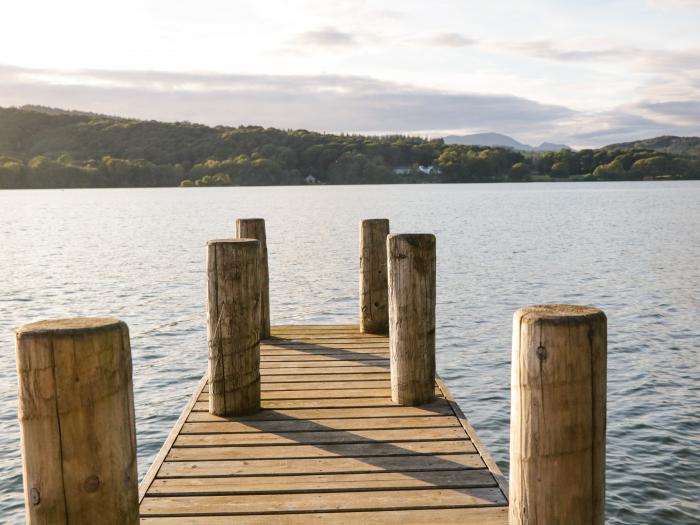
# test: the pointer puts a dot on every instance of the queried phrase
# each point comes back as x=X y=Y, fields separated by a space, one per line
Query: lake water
x=632 y=249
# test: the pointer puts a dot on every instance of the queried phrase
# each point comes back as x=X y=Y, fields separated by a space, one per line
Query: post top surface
x=250 y=219
x=374 y=221
x=233 y=241
x=558 y=311
x=74 y=325
x=425 y=240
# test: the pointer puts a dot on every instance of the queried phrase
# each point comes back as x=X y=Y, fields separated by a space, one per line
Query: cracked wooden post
x=76 y=414
x=233 y=319
x=255 y=229
x=558 y=412
x=412 y=317
x=374 y=293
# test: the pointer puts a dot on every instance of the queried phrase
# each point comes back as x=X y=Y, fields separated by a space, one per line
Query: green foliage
x=43 y=148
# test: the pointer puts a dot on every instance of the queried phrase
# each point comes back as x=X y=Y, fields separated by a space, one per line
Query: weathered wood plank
x=439 y=408
x=331 y=363
x=270 y=503
x=325 y=465
x=323 y=393
x=328 y=441
x=329 y=436
x=304 y=357
x=296 y=378
x=227 y=427
x=365 y=450
x=446 y=516
x=321 y=483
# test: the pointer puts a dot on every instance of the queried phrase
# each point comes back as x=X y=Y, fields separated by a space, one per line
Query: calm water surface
x=632 y=249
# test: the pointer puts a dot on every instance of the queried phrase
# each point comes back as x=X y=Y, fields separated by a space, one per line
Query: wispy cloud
x=444 y=40
x=336 y=103
x=327 y=37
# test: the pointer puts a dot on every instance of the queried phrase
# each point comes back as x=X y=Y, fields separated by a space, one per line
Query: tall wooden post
x=76 y=414
x=558 y=411
x=412 y=317
x=374 y=293
x=233 y=316
x=255 y=229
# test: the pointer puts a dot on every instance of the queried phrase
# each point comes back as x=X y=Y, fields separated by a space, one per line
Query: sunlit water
x=632 y=249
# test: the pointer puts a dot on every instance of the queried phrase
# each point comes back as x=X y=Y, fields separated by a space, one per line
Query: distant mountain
x=497 y=139
x=667 y=144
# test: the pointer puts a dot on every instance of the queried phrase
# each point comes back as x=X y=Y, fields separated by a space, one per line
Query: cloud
x=335 y=103
x=327 y=37
x=445 y=40
x=692 y=4
x=320 y=102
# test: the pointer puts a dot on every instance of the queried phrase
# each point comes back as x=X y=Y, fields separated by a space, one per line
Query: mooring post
x=233 y=318
x=76 y=415
x=374 y=293
x=412 y=317
x=558 y=415
x=255 y=229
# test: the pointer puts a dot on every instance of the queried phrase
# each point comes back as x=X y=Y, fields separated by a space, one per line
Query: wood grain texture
x=412 y=317
x=255 y=229
x=329 y=445
x=558 y=415
x=76 y=413
x=233 y=322
x=374 y=298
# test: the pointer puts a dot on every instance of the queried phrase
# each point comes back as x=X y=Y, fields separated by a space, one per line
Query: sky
x=585 y=73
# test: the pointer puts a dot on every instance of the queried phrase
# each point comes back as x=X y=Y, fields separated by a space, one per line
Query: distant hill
x=499 y=140
x=53 y=148
x=667 y=144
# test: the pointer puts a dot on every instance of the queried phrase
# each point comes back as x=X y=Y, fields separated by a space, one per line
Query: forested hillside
x=49 y=148
x=689 y=146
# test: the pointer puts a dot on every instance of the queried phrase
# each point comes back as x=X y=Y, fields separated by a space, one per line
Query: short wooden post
x=412 y=317
x=255 y=229
x=558 y=411
x=233 y=315
x=76 y=414
x=374 y=293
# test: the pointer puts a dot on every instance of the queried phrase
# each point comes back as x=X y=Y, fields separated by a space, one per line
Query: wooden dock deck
x=329 y=446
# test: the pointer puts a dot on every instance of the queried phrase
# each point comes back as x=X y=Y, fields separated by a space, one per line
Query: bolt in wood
x=76 y=414
x=558 y=415
x=412 y=317
x=374 y=293
x=255 y=229
x=233 y=316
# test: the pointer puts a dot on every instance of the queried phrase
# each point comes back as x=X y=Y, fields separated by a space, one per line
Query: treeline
x=70 y=150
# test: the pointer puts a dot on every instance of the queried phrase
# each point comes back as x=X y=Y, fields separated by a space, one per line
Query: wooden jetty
x=329 y=446
x=297 y=424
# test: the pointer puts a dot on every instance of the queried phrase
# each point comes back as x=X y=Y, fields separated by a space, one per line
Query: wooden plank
x=324 y=370
x=302 y=356
x=290 y=484
x=313 y=502
x=323 y=465
x=228 y=427
x=438 y=408
x=365 y=450
x=329 y=446
x=322 y=350
x=323 y=393
x=325 y=437
x=282 y=378
x=326 y=465
x=168 y=443
x=446 y=516
x=370 y=363
x=327 y=385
